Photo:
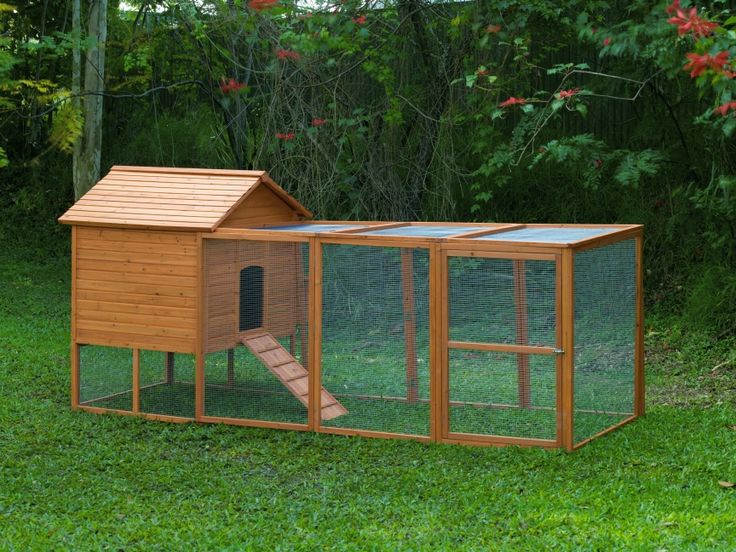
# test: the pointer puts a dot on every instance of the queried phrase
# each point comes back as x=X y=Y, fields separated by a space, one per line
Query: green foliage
x=634 y=165
x=67 y=124
x=606 y=126
x=711 y=302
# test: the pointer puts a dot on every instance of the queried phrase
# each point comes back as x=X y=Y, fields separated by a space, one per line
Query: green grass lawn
x=70 y=480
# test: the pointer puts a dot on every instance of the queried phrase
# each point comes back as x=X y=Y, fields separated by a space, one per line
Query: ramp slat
x=288 y=370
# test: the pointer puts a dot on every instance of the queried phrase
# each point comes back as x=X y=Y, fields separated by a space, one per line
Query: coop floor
x=394 y=416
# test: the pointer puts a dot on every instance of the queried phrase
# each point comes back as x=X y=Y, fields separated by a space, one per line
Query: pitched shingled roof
x=170 y=198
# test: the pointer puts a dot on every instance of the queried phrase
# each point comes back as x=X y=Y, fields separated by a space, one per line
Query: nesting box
x=209 y=296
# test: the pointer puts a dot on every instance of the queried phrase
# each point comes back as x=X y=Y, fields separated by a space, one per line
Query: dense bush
x=575 y=111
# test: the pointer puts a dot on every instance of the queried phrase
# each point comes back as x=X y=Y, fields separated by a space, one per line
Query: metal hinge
x=559 y=351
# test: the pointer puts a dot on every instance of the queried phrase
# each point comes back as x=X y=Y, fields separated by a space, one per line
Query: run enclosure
x=458 y=333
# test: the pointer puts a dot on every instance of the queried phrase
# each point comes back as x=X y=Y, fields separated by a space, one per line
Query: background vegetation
x=499 y=110
x=400 y=110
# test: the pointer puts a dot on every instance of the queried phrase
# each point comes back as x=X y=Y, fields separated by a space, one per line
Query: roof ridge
x=187 y=170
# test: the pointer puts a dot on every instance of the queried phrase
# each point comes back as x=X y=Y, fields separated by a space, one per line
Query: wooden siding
x=283 y=297
x=261 y=207
x=136 y=288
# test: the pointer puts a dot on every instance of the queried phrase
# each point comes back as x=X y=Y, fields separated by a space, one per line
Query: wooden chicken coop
x=209 y=296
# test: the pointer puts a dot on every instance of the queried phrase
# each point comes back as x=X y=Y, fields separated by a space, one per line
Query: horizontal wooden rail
x=502 y=348
x=487 y=231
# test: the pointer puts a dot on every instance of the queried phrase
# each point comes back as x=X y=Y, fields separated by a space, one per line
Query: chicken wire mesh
x=506 y=302
x=106 y=377
x=256 y=319
x=375 y=337
x=486 y=397
x=605 y=321
x=167 y=383
x=502 y=301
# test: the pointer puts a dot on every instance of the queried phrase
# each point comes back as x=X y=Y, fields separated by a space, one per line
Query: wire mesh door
x=503 y=337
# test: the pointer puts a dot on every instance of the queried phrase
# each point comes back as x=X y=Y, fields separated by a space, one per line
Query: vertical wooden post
x=169 y=368
x=315 y=332
x=136 y=406
x=410 y=324
x=639 y=392
x=568 y=346
x=199 y=356
x=303 y=291
x=522 y=332
x=443 y=414
x=435 y=374
x=231 y=367
x=75 y=375
x=559 y=344
x=74 y=350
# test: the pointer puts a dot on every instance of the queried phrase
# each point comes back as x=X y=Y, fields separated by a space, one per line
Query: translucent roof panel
x=424 y=231
x=314 y=228
x=548 y=234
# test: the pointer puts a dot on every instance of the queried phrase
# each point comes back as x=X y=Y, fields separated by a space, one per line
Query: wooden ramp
x=292 y=374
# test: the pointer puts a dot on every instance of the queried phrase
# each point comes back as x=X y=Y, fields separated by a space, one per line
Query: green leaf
x=729 y=126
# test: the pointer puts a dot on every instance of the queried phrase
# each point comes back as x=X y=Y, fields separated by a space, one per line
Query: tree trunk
x=76 y=91
x=87 y=158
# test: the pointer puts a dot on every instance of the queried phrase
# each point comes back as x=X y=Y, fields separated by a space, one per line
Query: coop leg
x=169 y=370
x=231 y=367
x=410 y=332
x=522 y=332
x=304 y=345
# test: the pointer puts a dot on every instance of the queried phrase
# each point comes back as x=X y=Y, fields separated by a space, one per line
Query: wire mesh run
x=257 y=331
x=167 y=383
x=502 y=301
x=605 y=321
x=375 y=337
x=238 y=385
x=106 y=377
x=487 y=394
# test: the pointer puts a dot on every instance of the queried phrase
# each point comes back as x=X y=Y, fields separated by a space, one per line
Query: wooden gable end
x=261 y=206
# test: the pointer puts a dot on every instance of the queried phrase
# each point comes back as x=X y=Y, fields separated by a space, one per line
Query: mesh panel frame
x=167 y=383
x=496 y=300
x=243 y=379
x=605 y=325
x=502 y=301
x=106 y=377
x=371 y=298
x=484 y=395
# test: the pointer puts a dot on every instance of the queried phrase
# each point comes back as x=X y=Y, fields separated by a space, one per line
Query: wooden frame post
x=199 y=355
x=435 y=372
x=443 y=364
x=639 y=379
x=522 y=331
x=136 y=406
x=74 y=356
x=568 y=347
x=74 y=348
x=231 y=367
x=410 y=324
x=303 y=291
x=315 y=333
x=169 y=368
